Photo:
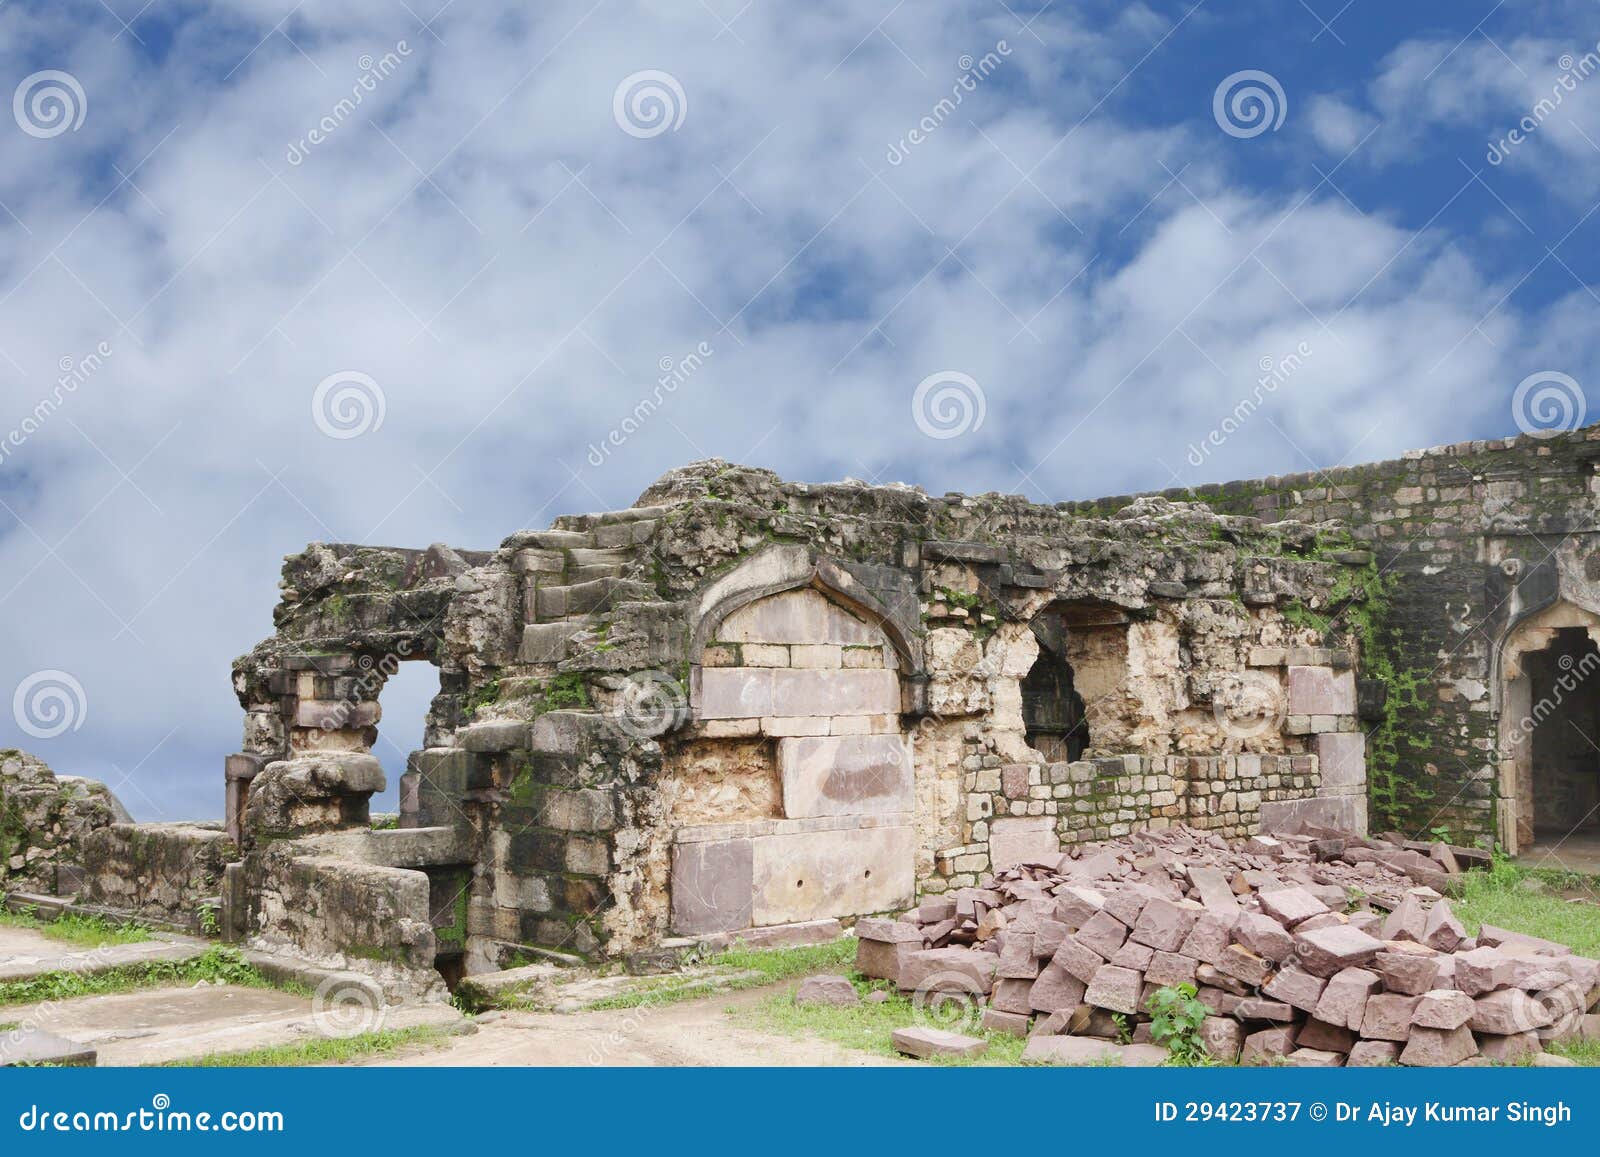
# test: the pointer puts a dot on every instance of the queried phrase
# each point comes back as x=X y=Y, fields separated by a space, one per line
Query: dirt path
x=695 y=1032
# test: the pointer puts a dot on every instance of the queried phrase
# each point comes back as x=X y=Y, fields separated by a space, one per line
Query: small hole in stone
x=867 y=875
x=799 y=883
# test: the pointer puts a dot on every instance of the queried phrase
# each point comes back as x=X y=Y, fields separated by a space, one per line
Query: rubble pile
x=1321 y=949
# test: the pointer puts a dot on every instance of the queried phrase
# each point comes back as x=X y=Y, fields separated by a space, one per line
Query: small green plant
x=1124 y=1030
x=206 y=917
x=1176 y=1017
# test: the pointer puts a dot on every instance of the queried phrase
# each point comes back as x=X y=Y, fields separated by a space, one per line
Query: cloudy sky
x=398 y=272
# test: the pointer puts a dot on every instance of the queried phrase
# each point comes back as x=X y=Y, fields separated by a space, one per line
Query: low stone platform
x=27 y=952
x=32 y=1046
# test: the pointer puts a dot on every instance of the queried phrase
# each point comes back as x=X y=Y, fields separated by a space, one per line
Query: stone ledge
x=702 y=833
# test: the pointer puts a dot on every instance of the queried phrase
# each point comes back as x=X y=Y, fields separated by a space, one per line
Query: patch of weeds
x=1500 y=896
x=76 y=928
x=1176 y=1016
x=869 y=1026
x=323 y=1051
x=1583 y=1052
x=745 y=968
x=216 y=965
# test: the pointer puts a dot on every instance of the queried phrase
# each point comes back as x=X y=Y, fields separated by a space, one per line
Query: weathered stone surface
x=1412 y=973
x=1267 y=1047
x=844 y=775
x=936 y=1042
x=1373 y=1054
x=1507 y=1012
x=936 y=969
x=1443 y=1008
x=1321 y=691
x=1291 y=906
x=1389 y=1016
x=1222 y=1036
x=1071 y=1050
x=713 y=887
x=1438 y=1047
x=832 y=991
x=1164 y=925
x=1296 y=987
x=1326 y=951
x=808 y=875
x=1342 y=756
x=1056 y=990
x=1023 y=840
x=751 y=692
x=1117 y=989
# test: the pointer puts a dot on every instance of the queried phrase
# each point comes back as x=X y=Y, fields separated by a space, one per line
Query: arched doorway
x=1052 y=709
x=1550 y=730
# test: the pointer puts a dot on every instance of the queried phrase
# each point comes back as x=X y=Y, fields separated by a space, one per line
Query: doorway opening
x=1564 y=734
x=407 y=698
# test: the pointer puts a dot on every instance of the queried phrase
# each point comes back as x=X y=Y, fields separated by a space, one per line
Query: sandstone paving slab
x=28 y=952
x=153 y=1026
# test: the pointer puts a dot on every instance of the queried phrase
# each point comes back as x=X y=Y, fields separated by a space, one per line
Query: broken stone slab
x=1370 y=1054
x=1164 y=924
x=1388 y=1016
x=1438 y=1047
x=1116 y=989
x=1306 y=1058
x=1079 y=959
x=829 y=991
x=1412 y=973
x=1264 y=936
x=1511 y=1048
x=1291 y=906
x=1444 y=1008
x=35 y=1046
x=1327 y=951
x=1508 y=1011
x=949 y=969
x=1296 y=987
x=1222 y=1036
x=1319 y=1034
x=1056 y=990
x=1012 y=995
x=1442 y=930
x=1267 y=1047
x=924 y=1042
x=1071 y=1050
x=998 y=1020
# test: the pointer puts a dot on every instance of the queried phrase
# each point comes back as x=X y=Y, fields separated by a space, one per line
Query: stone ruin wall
x=746 y=703
x=1472 y=540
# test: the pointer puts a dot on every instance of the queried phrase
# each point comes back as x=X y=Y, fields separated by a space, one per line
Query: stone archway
x=1549 y=701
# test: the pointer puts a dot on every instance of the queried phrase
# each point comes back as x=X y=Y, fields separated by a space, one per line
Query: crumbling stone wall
x=44 y=819
x=1470 y=540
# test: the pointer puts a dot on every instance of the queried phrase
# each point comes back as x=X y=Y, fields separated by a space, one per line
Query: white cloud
x=1111 y=285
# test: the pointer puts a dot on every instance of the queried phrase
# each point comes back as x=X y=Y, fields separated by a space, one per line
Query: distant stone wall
x=1468 y=538
x=164 y=872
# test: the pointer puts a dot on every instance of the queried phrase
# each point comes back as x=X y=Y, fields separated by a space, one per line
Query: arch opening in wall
x=1549 y=732
x=1077 y=700
x=1052 y=709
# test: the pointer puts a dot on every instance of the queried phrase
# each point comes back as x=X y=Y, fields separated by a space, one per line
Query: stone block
x=1321 y=691
x=1326 y=951
x=1509 y=1049
x=1346 y=813
x=845 y=775
x=1116 y=989
x=1307 y=1058
x=1388 y=1016
x=936 y=1042
x=799 y=616
x=828 y=991
x=1023 y=840
x=1056 y=990
x=495 y=736
x=1291 y=906
x=745 y=692
x=545 y=642
x=1222 y=1036
x=849 y=872
x=1296 y=987
x=1342 y=759
x=998 y=1020
x=1267 y=1047
x=1412 y=973
x=1165 y=924
x=1012 y=995
x=1438 y=1047
x=1103 y=933
x=1071 y=1050
x=1443 y=1008
x=1508 y=1011
x=1344 y=1001
x=1371 y=1054
x=712 y=887
x=883 y=960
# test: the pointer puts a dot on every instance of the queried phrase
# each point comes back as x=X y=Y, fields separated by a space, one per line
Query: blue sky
x=435 y=320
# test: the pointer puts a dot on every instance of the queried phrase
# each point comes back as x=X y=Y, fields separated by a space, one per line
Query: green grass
x=215 y=965
x=746 y=968
x=323 y=1051
x=1584 y=1052
x=868 y=1027
x=1500 y=896
x=80 y=930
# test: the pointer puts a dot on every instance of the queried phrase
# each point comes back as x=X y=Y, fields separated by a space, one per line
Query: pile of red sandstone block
x=1321 y=949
